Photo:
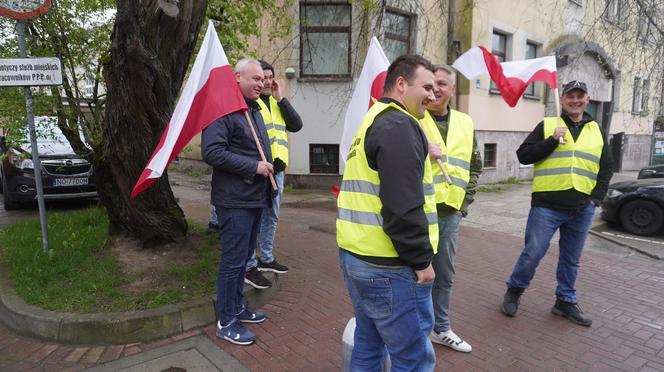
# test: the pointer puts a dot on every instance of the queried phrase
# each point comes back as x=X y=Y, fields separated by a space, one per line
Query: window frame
x=324 y=30
x=637 y=96
x=322 y=168
x=486 y=158
x=534 y=94
x=492 y=87
x=411 y=20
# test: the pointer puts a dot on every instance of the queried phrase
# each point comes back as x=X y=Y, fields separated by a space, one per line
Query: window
x=499 y=49
x=614 y=10
x=645 y=28
x=490 y=155
x=640 y=99
x=531 y=52
x=323 y=158
x=397 y=34
x=325 y=40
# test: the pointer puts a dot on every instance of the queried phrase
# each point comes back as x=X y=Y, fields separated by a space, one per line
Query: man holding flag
x=571 y=178
x=451 y=138
x=240 y=192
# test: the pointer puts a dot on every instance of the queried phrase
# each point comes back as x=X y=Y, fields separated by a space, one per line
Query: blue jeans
x=443 y=265
x=392 y=311
x=268 y=227
x=542 y=224
x=238 y=229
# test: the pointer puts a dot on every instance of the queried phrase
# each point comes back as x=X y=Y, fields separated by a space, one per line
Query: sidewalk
x=624 y=293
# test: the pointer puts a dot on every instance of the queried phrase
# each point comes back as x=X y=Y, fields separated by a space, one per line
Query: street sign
x=23 y=72
x=23 y=9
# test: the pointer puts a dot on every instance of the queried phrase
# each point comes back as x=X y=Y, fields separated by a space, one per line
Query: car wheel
x=642 y=217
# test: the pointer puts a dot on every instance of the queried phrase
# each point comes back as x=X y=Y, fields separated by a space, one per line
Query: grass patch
x=489 y=188
x=79 y=275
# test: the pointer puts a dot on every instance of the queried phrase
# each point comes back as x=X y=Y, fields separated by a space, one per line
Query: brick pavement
x=623 y=293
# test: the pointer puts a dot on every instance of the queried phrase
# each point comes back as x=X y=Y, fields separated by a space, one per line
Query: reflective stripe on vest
x=276 y=129
x=572 y=165
x=457 y=152
x=359 y=221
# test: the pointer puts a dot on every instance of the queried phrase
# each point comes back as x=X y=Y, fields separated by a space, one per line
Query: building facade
x=615 y=46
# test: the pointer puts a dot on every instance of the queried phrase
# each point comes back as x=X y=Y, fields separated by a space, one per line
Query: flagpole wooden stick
x=442 y=168
x=260 y=148
x=561 y=140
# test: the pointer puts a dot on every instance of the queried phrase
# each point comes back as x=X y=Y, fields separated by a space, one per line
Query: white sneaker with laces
x=451 y=340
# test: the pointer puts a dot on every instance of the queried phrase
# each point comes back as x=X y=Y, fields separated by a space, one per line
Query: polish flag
x=511 y=78
x=210 y=92
x=369 y=88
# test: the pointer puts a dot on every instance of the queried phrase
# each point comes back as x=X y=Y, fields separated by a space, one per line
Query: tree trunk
x=152 y=43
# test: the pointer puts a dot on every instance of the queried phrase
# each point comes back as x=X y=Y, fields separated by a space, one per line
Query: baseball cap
x=575 y=84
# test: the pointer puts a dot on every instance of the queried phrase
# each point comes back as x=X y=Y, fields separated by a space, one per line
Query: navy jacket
x=228 y=146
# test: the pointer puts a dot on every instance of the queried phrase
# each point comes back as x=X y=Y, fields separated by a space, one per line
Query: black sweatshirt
x=535 y=148
x=292 y=120
x=396 y=148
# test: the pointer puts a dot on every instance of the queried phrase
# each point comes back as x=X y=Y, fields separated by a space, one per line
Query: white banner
x=21 y=72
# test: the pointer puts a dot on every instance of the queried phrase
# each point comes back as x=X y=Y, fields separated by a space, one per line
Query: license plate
x=70 y=181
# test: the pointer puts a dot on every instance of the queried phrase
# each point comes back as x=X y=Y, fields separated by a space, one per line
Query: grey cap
x=575 y=84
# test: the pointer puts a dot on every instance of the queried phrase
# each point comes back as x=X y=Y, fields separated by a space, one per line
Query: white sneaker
x=451 y=340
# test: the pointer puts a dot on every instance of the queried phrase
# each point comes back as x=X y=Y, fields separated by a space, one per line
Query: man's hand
x=435 y=152
x=264 y=169
x=559 y=132
x=425 y=276
x=276 y=90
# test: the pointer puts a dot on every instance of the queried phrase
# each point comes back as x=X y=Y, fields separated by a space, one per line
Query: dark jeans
x=392 y=311
x=542 y=224
x=238 y=231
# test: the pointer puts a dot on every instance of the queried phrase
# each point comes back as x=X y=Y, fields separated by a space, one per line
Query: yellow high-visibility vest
x=276 y=129
x=359 y=222
x=572 y=165
x=457 y=152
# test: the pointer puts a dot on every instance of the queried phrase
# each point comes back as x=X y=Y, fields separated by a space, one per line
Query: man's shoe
x=249 y=316
x=572 y=312
x=255 y=279
x=273 y=266
x=511 y=301
x=451 y=340
x=236 y=333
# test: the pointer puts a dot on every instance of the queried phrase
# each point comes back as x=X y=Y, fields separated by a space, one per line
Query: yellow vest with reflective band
x=572 y=165
x=359 y=222
x=276 y=129
x=456 y=156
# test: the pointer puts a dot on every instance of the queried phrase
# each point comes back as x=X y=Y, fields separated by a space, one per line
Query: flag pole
x=561 y=140
x=260 y=148
x=442 y=168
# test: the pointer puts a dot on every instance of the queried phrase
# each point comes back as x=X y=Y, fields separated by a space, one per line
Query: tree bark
x=152 y=43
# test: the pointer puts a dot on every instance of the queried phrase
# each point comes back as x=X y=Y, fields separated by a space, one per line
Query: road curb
x=117 y=327
x=623 y=244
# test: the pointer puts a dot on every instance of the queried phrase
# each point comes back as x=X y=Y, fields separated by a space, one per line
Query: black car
x=653 y=171
x=638 y=206
x=64 y=174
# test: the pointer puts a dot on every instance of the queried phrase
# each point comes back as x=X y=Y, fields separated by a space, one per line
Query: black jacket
x=535 y=148
x=228 y=146
x=396 y=148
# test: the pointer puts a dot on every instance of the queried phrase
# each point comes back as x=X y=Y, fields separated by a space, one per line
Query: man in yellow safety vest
x=451 y=137
x=571 y=177
x=387 y=227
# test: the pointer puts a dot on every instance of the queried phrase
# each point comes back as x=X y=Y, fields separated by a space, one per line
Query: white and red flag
x=369 y=87
x=511 y=78
x=210 y=92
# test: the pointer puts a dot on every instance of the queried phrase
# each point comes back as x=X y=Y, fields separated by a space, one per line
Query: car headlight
x=613 y=193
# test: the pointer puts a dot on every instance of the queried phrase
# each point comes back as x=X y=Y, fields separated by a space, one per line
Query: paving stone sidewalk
x=623 y=292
